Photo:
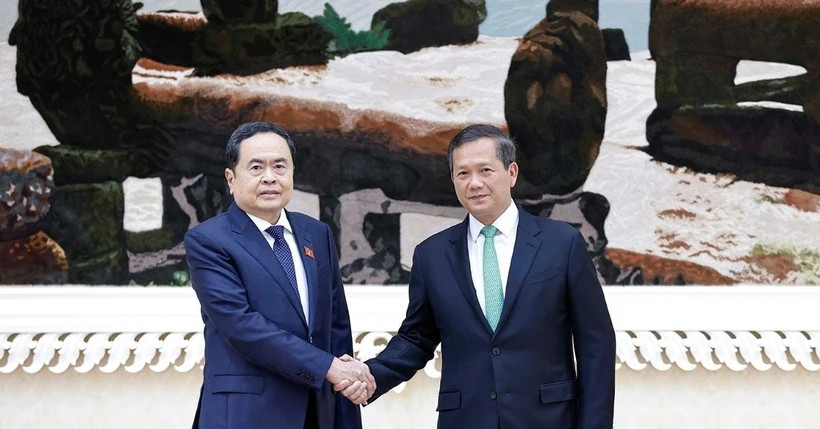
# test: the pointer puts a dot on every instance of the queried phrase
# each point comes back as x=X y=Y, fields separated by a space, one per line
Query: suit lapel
x=460 y=263
x=251 y=239
x=303 y=244
x=524 y=250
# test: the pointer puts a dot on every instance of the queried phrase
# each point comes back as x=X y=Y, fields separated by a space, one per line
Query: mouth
x=477 y=197
x=268 y=194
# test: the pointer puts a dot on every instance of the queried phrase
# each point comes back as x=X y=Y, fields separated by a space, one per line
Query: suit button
x=310 y=339
x=496 y=351
x=493 y=395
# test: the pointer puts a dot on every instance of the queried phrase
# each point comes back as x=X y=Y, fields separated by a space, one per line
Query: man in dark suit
x=515 y=302
x=272 y=301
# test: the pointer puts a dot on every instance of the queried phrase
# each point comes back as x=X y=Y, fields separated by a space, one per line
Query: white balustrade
x=159 y=329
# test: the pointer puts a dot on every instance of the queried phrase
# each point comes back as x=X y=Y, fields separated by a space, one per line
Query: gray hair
x=504 y=145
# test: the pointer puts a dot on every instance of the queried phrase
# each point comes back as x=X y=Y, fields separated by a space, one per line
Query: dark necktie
x=282 y=251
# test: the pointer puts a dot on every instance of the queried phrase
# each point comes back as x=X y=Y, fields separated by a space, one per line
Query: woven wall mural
x=683 y=141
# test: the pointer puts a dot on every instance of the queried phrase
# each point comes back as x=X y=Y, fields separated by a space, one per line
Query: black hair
x=251 y=129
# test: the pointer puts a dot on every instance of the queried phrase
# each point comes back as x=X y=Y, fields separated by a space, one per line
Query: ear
x=513 y=170
x=229 y=178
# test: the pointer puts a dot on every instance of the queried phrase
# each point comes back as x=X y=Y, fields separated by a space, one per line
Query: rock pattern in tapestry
x=764 y=131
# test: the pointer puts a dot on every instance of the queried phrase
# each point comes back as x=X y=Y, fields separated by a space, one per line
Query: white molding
x=736 y=327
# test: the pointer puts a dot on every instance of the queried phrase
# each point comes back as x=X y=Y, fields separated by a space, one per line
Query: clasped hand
x=352 y=378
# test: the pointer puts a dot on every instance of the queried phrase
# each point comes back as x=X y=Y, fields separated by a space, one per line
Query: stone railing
x=159 y=329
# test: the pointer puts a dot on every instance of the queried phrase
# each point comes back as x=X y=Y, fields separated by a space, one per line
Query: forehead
x=264 y=145
x=482 y=150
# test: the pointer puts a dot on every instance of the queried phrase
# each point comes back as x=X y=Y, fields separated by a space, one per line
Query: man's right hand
x=352 y=378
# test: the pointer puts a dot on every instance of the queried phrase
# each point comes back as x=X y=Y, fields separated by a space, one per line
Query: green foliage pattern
x=807 y=259
x=181 y=278
x=347 y=41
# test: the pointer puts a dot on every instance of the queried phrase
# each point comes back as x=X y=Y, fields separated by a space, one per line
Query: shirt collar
x=263 y=225
x=506 y=223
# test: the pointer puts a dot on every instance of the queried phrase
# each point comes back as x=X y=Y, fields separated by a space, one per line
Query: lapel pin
x=309 y=252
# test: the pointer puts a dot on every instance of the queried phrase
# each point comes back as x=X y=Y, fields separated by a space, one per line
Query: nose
x=269 y=176
x=475 y=182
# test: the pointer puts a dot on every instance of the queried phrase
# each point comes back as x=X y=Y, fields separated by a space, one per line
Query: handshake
x=352 y=378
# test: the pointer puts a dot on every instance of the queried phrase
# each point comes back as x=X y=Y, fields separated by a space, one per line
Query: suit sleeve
x=348 y=414
x=414 y=344
x=594 y=340
x=225 y=303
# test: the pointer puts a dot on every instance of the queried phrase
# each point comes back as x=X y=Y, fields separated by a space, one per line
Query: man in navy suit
x=272 y=301
x=514 y=299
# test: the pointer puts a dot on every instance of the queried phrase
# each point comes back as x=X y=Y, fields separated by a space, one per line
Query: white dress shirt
x=507 y=225
x=299 y=268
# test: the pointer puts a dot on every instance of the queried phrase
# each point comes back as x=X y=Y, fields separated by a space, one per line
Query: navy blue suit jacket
x=523 y=375
x=262 y=358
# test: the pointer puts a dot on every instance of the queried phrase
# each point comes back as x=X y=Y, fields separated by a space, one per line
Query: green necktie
x=493 y=294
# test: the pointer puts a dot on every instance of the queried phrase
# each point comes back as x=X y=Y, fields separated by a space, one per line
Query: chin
x=268 y=206
x=478 y=214
x=480 y=206
x=268 y=202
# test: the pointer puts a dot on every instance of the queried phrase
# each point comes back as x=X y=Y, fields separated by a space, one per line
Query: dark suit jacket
x=262 y=358
x=523 y=376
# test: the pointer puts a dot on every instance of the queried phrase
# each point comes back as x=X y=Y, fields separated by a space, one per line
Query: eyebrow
x=468 y=165
x=259 y=161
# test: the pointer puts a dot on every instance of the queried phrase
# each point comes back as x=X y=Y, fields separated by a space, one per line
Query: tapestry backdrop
x=683 y=156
